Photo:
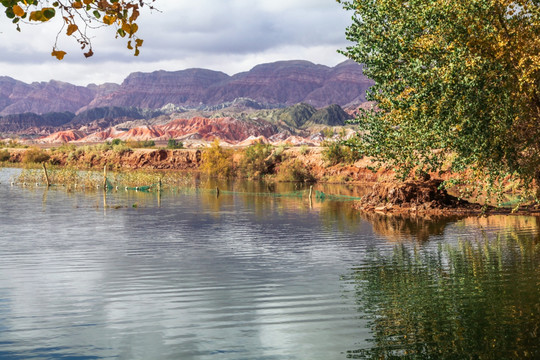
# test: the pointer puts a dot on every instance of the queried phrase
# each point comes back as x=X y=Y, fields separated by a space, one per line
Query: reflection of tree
x=474 y=300
x=395 y=227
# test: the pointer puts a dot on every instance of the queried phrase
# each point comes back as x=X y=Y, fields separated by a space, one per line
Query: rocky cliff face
x=282 y=83
x=17 y=97
x=157 y=89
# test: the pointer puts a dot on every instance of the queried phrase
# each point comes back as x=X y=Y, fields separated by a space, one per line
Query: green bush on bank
x=257 y=161
x=35 y=155
x=140 y=144
x=4 y=155
x=334 y=152
x=174 y=144
x=12 y=144
x=293 y=170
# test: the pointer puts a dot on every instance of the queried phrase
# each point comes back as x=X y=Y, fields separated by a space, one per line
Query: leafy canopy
x=457 y=84
x=80 y=16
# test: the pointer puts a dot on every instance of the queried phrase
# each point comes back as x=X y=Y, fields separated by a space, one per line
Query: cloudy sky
x=226 y=35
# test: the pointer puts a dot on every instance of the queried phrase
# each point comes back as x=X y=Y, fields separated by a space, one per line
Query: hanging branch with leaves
x=80 y=16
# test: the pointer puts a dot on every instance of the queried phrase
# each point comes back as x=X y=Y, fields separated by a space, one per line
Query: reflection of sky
x=199 y=277
x=177 y=281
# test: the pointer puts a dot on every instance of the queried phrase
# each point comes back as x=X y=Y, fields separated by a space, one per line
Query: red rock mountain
x=279 y=83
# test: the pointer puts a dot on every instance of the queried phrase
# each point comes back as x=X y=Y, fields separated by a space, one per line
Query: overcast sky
x=226 y=35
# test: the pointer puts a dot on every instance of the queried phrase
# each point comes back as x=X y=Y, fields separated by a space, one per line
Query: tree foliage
x=80 y=16
x=457 y=84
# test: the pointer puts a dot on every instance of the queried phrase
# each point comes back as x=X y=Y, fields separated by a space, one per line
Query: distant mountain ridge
x=278 y=84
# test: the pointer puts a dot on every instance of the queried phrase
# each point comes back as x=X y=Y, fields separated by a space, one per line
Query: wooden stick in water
x=105 y=178
x=46 y=175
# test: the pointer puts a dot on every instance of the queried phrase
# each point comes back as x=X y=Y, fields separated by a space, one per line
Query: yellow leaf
x=71 y=29
x=37 y=16
x=134 y=28
x=77 y=5
x=138 y=42
x=58 y=54
x=88 y=2
x=129 y=45
x=126 y=28
x=17 y=10
x=109 y=20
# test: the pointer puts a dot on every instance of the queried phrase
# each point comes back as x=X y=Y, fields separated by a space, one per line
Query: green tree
x=457 y=84
x=80 y=16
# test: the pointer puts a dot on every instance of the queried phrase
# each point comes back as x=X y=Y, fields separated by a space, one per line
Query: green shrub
x=65 y=148
x=121 y=148
x=173 y=144
x=35 y=155
x=12 y=143
x=115 y=142
x=217 y=161
x=295 y=171
x=334 y=152
x=255 y=162
x=328 y=133
x=140 y=144
x=304 y=149
x=4 y=155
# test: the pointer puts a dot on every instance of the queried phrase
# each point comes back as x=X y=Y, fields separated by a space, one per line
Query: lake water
x=126 y=275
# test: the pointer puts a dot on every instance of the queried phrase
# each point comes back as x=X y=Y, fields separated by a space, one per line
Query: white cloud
x=226 y=35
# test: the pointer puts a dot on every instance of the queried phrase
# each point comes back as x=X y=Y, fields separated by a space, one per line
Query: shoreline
x=428 y=201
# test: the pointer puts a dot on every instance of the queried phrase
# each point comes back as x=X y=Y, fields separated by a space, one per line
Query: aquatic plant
x=74 y=179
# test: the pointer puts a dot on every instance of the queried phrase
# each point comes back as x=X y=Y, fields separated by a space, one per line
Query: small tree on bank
x=457 y=85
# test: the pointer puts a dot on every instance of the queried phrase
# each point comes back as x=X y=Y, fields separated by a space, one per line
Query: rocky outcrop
x=229 y=129
x=63 y=137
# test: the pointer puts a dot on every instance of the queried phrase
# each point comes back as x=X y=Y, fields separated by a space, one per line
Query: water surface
x=126 y=275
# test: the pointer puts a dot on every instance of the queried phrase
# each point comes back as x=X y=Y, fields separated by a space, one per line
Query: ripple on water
x=231 y=278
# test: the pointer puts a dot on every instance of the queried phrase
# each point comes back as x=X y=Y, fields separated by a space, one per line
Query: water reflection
x=398 y=227
x=477 y=299
x=249 y=275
